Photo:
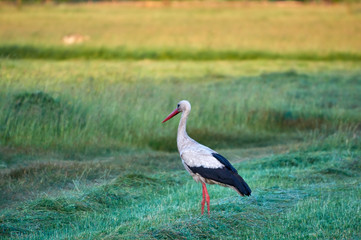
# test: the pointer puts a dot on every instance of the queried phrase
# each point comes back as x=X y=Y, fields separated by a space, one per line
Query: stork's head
x=182 y=106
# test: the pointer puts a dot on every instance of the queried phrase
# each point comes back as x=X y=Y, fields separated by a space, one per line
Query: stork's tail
x=241 y=186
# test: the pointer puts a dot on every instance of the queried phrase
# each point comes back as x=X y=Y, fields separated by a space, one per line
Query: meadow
x=199 y=30
x=275 y=88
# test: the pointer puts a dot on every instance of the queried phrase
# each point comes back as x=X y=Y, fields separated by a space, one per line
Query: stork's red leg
x=206 y=198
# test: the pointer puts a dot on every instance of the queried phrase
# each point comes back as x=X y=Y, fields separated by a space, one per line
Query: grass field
x=83 y=153
x=213 y=30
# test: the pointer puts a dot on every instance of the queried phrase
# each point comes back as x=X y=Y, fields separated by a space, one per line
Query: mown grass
x=295 y=195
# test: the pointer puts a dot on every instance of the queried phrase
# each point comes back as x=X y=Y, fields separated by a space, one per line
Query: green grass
x=83 y=153
x=71 y=111
x=305 y=193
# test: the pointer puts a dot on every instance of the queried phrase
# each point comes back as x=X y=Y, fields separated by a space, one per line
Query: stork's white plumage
x=204 y=164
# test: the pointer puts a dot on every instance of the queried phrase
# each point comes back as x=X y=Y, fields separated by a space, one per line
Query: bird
x=204 y=164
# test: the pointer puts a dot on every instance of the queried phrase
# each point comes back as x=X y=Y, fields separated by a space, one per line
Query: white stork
x=204 y=164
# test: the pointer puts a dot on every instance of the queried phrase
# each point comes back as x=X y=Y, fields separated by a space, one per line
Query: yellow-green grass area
x=208 y=30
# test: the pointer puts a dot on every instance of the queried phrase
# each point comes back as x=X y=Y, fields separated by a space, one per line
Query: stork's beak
x=175 y=112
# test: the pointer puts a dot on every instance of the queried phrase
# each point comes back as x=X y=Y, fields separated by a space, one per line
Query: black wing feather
x=224 y=176
x=224 y=161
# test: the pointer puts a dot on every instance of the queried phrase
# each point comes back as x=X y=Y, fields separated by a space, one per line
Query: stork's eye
x=178 y=106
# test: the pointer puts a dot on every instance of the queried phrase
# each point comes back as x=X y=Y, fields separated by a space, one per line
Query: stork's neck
x=182 y=136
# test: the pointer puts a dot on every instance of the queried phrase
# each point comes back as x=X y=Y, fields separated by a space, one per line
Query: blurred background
x=246 y=66
x=84 y=85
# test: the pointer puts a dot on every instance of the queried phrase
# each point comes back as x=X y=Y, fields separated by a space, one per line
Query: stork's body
x=204 y=164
